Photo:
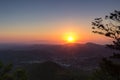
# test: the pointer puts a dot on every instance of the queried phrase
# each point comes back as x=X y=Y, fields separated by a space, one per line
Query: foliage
x=110 y=27
x=7 y=73
x=20 y=74
x=107 y=71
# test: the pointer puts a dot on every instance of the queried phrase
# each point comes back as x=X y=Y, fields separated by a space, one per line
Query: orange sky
x=46 y=21
x=34 y=33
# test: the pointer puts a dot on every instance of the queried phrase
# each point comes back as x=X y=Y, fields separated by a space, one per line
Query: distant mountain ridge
x=76 y=55
x=15 y=45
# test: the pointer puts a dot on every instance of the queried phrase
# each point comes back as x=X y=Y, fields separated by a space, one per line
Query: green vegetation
x=7 y=73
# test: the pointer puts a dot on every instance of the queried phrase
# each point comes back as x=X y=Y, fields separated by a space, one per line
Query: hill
x=49 y=70
x=44 y=71
x=78 y=56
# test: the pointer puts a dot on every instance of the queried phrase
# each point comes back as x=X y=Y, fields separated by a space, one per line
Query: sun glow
x=70 y=39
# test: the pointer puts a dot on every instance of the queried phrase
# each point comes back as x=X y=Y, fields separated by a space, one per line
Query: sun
x=70 y=39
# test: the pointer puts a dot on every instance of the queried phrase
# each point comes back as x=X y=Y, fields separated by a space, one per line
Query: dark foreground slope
x=49 y=70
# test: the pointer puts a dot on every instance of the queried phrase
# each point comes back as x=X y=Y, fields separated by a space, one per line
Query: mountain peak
x=90 y=43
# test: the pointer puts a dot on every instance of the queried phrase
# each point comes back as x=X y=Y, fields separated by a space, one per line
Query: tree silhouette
x=109 y=26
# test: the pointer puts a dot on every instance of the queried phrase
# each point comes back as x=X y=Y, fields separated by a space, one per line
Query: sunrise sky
x=51 y=21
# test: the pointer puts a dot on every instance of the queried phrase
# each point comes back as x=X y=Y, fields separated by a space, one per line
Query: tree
x=108 y=26
x=107 y=71
x=20 y=74
x=7 y=73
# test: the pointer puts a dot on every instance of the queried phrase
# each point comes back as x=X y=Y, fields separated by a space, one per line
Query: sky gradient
x=49 y=21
